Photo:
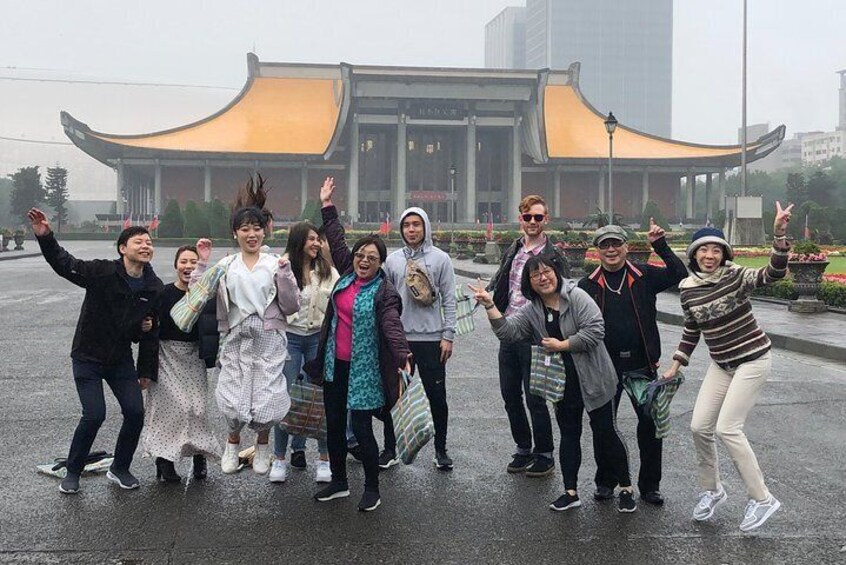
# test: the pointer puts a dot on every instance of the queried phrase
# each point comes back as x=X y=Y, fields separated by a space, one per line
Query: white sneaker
x=278 y=471
x=229 y=462
x=758 y=512
x=261 y=460
x=323 y=473
x=709 y=501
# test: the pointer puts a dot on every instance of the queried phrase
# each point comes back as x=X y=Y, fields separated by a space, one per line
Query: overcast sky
x=795 y=47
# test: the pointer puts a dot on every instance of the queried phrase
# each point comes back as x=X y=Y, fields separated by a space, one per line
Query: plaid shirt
x=515 y=297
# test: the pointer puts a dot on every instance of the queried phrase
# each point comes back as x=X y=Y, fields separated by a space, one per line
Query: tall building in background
x=841 y=122
x=505 y=40
x=625 y=48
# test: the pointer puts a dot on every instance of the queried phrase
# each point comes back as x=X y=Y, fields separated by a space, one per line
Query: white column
x=157 y=189
x=402 y=154
x=644 y=190
x=303 y=187
x=470 y=202
x=516 y=172
x=207 y=182
x=708 y=210
x=721 y=187
x=600 y=196
x=352 y=181
x=121 y=178
x=556 y=197
x=691 y=189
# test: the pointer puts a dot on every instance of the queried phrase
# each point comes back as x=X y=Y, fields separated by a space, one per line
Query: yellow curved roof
x=575 y=131
x=273 y=115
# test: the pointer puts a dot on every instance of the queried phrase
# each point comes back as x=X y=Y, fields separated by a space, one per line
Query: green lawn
x=836 y=265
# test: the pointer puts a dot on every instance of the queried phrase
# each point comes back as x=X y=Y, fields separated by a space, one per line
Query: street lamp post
x=610 y=126
x=451 y=208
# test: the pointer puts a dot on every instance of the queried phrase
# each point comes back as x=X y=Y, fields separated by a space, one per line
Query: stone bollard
x=492 y=255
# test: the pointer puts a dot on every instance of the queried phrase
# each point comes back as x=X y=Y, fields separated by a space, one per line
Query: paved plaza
x=475 y=514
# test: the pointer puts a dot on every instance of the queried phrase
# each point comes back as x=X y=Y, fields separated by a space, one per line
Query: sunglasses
x=364 y=257
x=536 y=217
x=607 y=243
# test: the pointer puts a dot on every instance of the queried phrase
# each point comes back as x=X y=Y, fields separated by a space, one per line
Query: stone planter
x=807 y=276
x=503 y=245
x=639 y=256
x=5 y=246
x=575 y=257
x=19 y=239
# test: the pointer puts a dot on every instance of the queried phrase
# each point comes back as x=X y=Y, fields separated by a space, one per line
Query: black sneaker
x=70 y=484
x=603 y=493
x=370 y=501
x=541 y=467
x=443 y=461
x=355 y=451
x=124 y=479
x=519 y=463
x=565 y=502
x=298 y=460
x=626 y=503
x=653 y=497
x=387 y=459
x=335 y=489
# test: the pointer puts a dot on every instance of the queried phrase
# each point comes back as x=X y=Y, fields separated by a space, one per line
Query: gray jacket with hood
x=424 y=323
x=581 y=322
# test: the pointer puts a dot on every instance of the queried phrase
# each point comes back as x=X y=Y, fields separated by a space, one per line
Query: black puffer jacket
x=111 y=315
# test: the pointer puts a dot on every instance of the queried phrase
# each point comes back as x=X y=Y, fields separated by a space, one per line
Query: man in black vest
x=626 y=293
x=119 y=295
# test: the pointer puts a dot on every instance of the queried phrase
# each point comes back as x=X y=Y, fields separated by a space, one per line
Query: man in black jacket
x=515 y=358
x=119 y=295
x=626 y=294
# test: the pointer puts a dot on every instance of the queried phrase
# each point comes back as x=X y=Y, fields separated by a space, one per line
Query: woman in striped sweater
x=715 y=301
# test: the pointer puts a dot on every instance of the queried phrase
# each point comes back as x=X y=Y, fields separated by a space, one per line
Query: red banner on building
x=428 y=196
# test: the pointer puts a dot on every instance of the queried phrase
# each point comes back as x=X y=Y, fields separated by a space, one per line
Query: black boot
x=200 y=467
x=166 y=472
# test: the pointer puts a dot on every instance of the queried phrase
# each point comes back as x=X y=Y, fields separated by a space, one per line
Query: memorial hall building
x=474 y=140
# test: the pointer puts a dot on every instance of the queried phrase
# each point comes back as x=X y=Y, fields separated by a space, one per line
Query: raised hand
x=283 y=262
x=481 y=295
x=327 y=190
x=782 y=218
x=655 y=232
x=39 y=222
x=204 y=248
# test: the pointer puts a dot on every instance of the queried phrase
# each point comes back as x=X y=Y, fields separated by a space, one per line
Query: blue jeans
x=301 y=349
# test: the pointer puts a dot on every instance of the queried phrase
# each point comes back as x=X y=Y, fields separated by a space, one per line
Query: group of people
x=353 y=319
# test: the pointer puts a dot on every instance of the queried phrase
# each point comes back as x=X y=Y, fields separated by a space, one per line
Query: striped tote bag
x=658 y=397
x=547 y=375
x=307 y=416
x=412 y=415
x=464 y=321
x=186 y=312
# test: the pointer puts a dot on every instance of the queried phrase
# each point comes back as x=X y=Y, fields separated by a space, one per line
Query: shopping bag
x=547 y=375
x=464 y=321
x=96 y=462
x=658 y=397
x=307 y=416
x=412 y=416
x=636 y=384
x=186 y=312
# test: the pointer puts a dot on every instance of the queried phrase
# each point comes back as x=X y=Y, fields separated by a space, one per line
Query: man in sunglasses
x=515 y=358
x=626 y=293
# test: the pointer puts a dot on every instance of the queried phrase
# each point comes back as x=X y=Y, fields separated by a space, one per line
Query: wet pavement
x=476 y=514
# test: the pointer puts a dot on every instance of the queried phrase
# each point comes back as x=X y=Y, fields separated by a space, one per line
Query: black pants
x=123 y=380
x=607 y=445
x=650 y=448
x=335 y=402
x=515 y=361
x=427 y=362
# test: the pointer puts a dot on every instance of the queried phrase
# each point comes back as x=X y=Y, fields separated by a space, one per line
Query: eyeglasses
x=536 y=217
x=546 y=273
x=606 y=243
x=364 y=257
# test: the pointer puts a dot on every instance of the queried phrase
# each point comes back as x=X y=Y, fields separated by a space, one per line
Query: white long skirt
x=251 y=387
x=175 y=420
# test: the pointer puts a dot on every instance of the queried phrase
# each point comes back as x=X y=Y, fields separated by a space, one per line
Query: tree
x=821 y=189
x=171 y=223
x=5 y=200
x=26 y=191
x=196 y=223
x=56 y=190
x=218 y=218
x=311 y=212
x=797 y=188
x=651 y=210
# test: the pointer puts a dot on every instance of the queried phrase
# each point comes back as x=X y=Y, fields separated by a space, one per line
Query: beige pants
x=724 y=402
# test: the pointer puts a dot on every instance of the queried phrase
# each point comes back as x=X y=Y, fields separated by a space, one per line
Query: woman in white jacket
x=315 y=279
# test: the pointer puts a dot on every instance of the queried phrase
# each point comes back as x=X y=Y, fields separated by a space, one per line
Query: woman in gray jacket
x=561 y=318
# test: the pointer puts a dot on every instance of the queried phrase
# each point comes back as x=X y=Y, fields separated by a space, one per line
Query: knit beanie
x=709 y=235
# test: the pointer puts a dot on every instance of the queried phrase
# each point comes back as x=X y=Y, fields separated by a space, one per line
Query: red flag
x=127 y=223
x=489 y=228
x=154 y=225
x=106 y=228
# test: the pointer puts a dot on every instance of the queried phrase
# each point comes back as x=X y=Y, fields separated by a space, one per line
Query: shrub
x=833 y=294
x=196 y=223
x=218 y=219
x=171 y=221
x=651 y=210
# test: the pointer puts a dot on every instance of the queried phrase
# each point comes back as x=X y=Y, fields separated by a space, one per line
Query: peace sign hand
x=782 y=218
x=327 y=190
x=481 y=295
x=655 y=232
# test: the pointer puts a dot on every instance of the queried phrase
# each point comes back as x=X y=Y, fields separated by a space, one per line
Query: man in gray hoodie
x=429 y=329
